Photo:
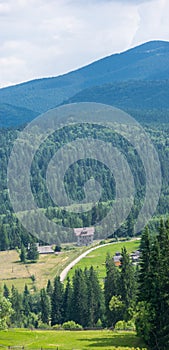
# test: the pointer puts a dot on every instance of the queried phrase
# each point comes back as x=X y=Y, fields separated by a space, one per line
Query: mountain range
x=136 y=80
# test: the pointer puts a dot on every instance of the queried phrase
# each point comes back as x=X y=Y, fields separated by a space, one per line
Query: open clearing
x=12 y=271
x=68 y=340
x=97 y=257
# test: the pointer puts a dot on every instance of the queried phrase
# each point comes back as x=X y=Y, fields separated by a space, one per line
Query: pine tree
x=127 y=284
x=33 y=252
x=111 y=286
x=16 y=301
x=153 y=316
x=163 y=315
x=95 y=298
x=49 y=289
x=57 y=302
x=26 y=301
x=4 y=242
x=6 y=292
x=67 y=304
x=45 y=306
x=79 y=298
x=5 y=311
x=144 y=272
x=23 y=254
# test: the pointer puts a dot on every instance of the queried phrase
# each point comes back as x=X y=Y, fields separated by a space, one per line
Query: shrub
x=122 y=326
x=57 y=326
x=70 y=325
x=99 y=323
x=58 y=248
x=44 y=326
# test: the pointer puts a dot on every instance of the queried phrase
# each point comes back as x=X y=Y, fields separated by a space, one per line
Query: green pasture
x=97 y=257
x=70 y=340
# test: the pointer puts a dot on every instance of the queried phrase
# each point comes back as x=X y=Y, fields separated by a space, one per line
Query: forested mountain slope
x=149 y=61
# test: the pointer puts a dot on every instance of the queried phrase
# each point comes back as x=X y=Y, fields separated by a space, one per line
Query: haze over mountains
x=135 y=80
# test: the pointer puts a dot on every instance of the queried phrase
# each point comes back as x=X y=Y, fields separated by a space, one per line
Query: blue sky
x=42 y=38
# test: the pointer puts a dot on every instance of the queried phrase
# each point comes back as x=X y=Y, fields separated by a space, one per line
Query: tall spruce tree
x=16 y=301
x=95 y=297
x=45 y=306
x=127 y=284
x=4 y=242
x=67 y=304
x=80 y=299
x=6 y=292
x=26 y=301
x=23 y=254
x=144 y=270
x=33 y=252
x=49 y=288
x=57 y=302
x=111 y=286
x=153 y=315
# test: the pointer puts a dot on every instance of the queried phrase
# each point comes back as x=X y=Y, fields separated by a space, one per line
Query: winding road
x=74 y=262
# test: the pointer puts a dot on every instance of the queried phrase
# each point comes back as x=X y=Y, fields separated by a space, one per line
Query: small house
x=117 y=259
x=135 y=257
x=45 y=249
x=84 y=235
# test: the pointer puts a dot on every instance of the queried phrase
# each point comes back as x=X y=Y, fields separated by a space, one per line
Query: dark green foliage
x=45 y=306
x=75 y=179
x=140 y=63
x=4 y=242
x=67 y=302
x=49 y=288
x=111 y=286
x=127 y=284
x=32 y=253
x=23 y=254
x=144 y=272
x=57 y=302
x=80 y=298
x=95 y=298
x=6 y=292
x=16 y=301
x=153 y=311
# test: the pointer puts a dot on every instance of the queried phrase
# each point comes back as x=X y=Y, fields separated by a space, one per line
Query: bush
x=44 y=326
x=57 y=326
x=58 y=248
x=99 y=323
x=70 y=325
x=125 y=326
x=102 y=242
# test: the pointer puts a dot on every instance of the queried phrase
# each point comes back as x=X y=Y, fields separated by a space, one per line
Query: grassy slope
x=47 y=267
x=97 y=257
x=101 y=340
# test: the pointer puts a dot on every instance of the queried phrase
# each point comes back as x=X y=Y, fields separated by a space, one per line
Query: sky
x=42 y=38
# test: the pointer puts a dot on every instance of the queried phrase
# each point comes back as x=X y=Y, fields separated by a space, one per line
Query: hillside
x=12 y=271
x=149 y=61
x=147 y=101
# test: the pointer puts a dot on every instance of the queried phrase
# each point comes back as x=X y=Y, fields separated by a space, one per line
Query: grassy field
x=68 y=340
x=12 y=271
x=97 y=257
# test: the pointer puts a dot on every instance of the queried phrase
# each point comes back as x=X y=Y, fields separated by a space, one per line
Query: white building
x=84 y=235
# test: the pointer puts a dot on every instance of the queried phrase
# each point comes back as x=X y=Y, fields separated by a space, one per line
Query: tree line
x=12 y=234
x=138 y=295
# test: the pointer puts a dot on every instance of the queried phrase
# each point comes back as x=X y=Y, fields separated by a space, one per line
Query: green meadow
x=97 y=257
x=70 y=340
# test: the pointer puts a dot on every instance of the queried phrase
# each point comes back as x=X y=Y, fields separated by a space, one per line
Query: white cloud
x=46 y=38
